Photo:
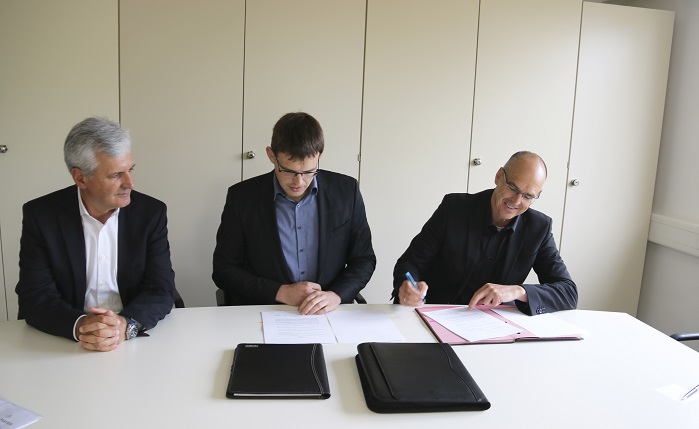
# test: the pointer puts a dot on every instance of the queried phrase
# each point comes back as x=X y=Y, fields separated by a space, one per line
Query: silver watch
x=132 y=328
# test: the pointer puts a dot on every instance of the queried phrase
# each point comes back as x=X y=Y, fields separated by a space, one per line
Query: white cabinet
x=525 y=89
x=419 y=87
x=582 y=85
x=181 y=76
x=620 y=96
x=304 y=56
x=418 y=91
x=59 y=64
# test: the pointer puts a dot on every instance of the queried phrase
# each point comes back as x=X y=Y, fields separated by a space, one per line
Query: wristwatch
x=132 y=328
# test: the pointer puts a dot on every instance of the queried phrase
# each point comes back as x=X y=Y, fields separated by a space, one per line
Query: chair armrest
x=359 y=299
x=220 y=298
x=179 y=302
x=685 y=336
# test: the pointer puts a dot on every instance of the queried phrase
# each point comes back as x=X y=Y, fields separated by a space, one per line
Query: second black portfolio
x=281 y=371
x=416 y=377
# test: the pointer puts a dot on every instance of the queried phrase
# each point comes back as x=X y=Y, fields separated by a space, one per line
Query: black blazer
x=445 y=253
x=249 y=262
x=52 y=265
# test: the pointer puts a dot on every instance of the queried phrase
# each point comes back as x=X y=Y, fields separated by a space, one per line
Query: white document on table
x=14 y=416
x=290 y=327
x=352 y=326
x=542 y=325
x=364 y=326
x=472 y=325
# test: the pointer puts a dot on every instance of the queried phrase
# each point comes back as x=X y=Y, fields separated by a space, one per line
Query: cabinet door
x=525 y=89
x=304 y=55
x=418 y=91
x=181 y=91
x=59 y=65
x=624 y=59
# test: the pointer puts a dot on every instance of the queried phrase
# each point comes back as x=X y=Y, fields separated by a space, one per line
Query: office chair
x=685 y=336
x=179 y=302
x=225 y=299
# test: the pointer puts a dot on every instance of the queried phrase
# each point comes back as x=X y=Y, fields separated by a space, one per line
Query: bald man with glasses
x=479 y=248
x=297 y=235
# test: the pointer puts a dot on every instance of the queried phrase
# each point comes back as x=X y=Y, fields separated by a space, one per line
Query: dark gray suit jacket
x=445 y=253
x=249 y=263
x=52 y=265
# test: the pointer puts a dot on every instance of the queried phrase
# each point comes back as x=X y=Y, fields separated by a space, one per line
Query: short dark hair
x=299 y=135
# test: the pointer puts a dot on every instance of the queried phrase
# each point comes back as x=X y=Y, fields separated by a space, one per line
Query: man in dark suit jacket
x=479 y=248
x=94 y=257
x=297 y=235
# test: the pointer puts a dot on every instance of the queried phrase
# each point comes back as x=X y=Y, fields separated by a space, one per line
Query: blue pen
x=412 y=282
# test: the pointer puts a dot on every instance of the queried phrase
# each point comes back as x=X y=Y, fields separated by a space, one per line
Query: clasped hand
x=308 y=297
x=101 y=330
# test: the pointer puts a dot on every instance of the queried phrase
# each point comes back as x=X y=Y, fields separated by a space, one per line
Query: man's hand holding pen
x=411 y=293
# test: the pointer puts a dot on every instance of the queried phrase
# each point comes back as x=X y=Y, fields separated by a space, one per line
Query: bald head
x=529 y=161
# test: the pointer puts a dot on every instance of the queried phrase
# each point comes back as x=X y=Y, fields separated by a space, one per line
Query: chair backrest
x=223 y=298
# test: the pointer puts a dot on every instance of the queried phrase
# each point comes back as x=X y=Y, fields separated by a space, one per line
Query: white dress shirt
x=101 y=250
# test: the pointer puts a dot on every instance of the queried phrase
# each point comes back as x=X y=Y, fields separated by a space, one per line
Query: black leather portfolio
x=281 y=371
x=416 y=377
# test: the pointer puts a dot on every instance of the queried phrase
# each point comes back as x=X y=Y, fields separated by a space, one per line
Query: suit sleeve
x=150 y=298
x=40 y=302
x=231 y=271
x=556 y=290
x=360 y=260
x=423 y=249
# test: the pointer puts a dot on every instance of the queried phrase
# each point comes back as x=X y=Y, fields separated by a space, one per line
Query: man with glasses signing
x=479 y=248
x=297 y=235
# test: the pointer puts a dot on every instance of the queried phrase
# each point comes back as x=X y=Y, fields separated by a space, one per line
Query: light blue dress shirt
x=299 y=231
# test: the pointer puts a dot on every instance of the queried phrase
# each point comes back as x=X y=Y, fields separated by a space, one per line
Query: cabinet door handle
x=250 y=155
x=575 y=182
x=477 y=161
x=3 y=148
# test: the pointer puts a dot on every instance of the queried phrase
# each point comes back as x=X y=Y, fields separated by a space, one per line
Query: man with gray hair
x=94 y=257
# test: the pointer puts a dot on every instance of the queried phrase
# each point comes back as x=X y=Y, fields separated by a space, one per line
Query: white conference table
x=177 y=378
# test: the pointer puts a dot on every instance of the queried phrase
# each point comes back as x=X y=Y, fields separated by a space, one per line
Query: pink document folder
x=444 y=335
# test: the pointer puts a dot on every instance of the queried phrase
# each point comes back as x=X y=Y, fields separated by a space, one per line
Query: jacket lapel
x=269 y=222
x=71 y=228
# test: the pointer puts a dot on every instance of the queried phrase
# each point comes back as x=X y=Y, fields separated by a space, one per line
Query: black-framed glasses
x=515 y=190
x=291 y=174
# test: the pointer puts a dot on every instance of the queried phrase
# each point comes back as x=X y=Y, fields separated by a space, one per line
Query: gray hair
x=94 y=135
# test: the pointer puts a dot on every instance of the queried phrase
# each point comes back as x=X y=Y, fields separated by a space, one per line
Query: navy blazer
x=445 y=253
x=249 y=263
x=52 y=266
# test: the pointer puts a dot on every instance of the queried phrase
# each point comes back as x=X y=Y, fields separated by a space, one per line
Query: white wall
x=669 y=298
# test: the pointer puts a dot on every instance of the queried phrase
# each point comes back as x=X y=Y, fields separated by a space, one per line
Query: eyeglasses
x=291 y=174
x=515 y=190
